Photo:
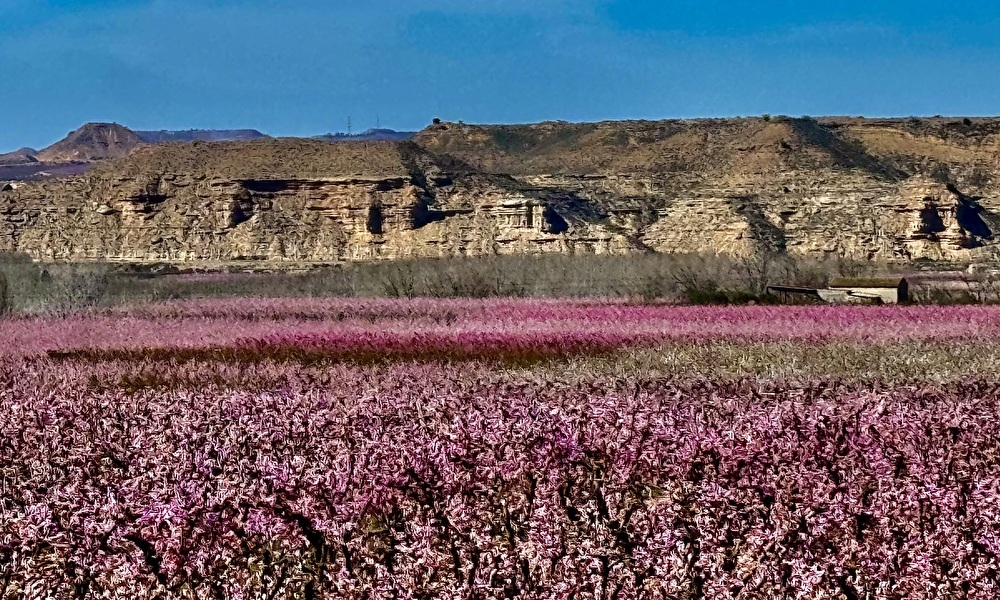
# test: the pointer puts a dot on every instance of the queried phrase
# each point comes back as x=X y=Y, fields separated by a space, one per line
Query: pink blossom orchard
x=429 y=481
x=211 y=323
x=240 y=450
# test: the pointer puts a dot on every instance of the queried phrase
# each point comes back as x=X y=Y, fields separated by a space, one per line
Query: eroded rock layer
x=892 y=189
x=292 y=201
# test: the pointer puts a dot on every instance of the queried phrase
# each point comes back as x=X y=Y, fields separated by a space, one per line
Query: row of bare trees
x=29 y=287
x=4 y=298
x=685 y=277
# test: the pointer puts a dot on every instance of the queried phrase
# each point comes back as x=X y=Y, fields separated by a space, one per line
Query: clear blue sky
x=301 y=67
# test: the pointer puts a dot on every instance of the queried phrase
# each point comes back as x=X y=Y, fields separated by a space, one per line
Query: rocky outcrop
x=886 y=190
x=892 y=189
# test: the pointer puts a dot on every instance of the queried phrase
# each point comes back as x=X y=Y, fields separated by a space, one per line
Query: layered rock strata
x=389 y=201
x=887 y=190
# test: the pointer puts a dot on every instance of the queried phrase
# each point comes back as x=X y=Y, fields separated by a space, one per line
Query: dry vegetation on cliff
x=890 y=148
x=710 y=147
x=266 y=159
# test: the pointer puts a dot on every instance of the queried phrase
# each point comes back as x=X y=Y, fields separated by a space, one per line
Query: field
x=436 y=448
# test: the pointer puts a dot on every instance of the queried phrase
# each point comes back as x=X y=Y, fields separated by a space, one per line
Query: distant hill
x=200 y=135
x=102 y=141
x=93 y=141
x=372 y=135
x=24 y=156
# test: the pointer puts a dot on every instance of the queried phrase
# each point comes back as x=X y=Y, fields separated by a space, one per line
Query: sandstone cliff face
x=201 y=203
x=870 y=189
x=892 y=190
x=826 y=213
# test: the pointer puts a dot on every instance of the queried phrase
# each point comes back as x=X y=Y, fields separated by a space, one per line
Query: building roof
x=867 y=282
x=792 y=289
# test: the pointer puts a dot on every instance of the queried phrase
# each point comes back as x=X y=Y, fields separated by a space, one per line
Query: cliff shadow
x=973 y=217
x=765 y=234
x=845 y=153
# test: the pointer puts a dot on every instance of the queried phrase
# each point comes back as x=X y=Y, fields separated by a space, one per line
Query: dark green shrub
x=706 y=296
x=739 y=297
x=4 y=298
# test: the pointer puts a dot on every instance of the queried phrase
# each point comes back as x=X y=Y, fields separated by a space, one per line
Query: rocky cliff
x=291 y=201
x=892 y=189
x=878 y=189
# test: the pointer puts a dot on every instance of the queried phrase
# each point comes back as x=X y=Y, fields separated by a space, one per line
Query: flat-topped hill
x=710 y=145
x=203 y=135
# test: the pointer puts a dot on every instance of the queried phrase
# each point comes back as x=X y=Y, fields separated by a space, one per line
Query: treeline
x=29 y=287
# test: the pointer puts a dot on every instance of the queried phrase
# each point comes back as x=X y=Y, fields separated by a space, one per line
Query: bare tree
x=757 y=271
x=400 y=280
x=699 y=277
x=78 y=286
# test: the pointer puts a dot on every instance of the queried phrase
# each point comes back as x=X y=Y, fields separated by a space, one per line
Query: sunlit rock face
x=887 y=190
x=293 y=201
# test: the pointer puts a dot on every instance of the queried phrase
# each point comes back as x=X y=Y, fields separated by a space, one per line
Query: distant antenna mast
x=348 y=125
x=378 y=122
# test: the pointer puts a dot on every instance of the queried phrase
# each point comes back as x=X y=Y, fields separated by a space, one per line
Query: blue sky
x=302 y=67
